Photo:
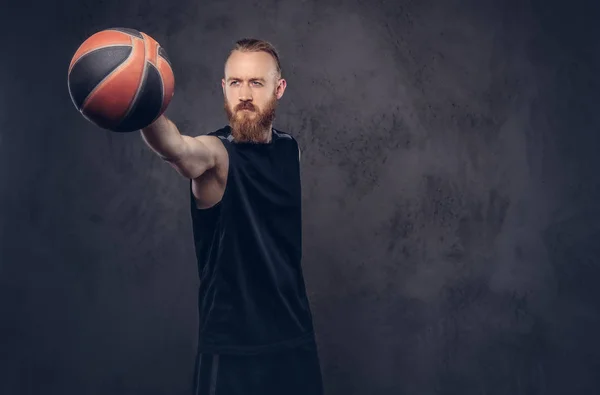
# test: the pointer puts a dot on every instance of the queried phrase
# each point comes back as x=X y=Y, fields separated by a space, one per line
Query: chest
x=268 y=175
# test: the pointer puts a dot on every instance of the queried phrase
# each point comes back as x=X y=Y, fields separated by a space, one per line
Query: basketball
x=121 y=80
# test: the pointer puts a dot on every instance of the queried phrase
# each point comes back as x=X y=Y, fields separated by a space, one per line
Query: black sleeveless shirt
x=252 y=296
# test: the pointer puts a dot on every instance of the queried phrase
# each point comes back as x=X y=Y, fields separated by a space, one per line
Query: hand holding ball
x=121 y=80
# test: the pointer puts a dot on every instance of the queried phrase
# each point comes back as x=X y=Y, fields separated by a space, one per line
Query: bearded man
x=255 y=323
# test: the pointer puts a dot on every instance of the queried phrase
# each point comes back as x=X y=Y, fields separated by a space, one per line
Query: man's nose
x=245 y=93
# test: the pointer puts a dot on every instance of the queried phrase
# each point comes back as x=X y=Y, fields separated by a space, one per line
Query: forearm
x=164 y=138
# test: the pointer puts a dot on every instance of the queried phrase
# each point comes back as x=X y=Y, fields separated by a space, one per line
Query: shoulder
x=289 y=139
x=219 y=139
x=284 y=137
x=216 y=141
x=223 y=134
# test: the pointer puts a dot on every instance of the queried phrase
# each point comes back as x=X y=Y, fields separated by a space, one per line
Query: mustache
x=245 y=106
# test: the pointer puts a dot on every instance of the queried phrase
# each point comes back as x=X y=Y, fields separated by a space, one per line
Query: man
x=256 y=333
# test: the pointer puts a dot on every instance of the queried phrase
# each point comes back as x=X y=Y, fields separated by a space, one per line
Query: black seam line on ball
x=139 y=88
x=111 y=73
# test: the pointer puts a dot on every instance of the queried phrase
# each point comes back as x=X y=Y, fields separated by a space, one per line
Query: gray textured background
x=450 y=189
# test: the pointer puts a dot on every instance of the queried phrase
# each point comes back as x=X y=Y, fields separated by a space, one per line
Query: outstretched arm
x=190 y=156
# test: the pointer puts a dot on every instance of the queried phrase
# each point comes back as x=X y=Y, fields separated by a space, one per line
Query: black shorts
x=294 y=371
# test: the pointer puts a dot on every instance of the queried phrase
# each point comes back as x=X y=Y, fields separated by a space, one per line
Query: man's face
x=251 y=88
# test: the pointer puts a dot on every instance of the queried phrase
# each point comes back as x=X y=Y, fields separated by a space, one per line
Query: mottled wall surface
x=450 y=184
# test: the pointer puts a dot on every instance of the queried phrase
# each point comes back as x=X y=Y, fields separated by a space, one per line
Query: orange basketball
x=121 y=79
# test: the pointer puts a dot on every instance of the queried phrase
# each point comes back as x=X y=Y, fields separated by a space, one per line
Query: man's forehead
x=250 y=65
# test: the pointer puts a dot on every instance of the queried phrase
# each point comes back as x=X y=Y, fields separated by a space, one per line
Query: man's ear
x=281 y=85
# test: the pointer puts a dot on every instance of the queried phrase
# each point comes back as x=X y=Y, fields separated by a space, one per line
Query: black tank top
x=252 y=296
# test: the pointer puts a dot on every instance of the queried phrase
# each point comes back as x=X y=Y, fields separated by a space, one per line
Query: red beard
x=248 y=128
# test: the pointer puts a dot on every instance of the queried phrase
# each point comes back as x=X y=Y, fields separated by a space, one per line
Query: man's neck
x=265 y=137
x=268 y=135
